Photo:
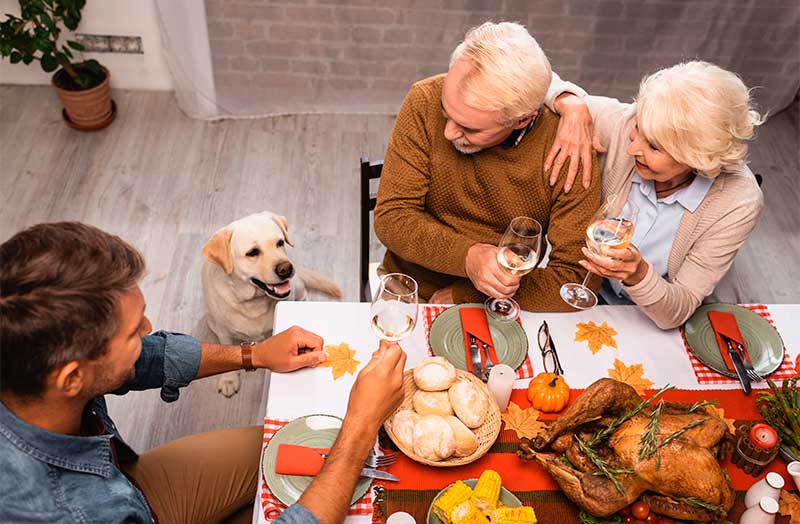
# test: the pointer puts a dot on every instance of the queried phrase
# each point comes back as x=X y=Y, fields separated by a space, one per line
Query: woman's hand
x=574 y=140
x=626 y=265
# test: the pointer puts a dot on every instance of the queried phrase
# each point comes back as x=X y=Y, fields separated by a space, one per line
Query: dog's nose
x=284 y=270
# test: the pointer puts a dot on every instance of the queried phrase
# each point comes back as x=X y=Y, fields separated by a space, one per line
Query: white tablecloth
x=639 y=340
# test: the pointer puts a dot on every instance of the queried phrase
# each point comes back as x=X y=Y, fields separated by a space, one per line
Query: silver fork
x=381 y=461
x=488 y=367
x=748 y=367
x=374 y=461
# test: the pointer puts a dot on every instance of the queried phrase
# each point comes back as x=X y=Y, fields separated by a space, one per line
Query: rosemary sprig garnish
x=649 y=440
x=697 y=503
x=602 y=465
x=603 y=434
x=675 y=434
x=701 y=404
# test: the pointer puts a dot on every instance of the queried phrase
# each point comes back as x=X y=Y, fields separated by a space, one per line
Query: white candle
x=501 y=380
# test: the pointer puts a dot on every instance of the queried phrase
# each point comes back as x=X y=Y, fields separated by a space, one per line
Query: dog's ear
x=218 y=249
x=284 y=225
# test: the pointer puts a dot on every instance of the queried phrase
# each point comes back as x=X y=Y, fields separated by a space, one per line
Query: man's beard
x=465 y=147
x=107 y=383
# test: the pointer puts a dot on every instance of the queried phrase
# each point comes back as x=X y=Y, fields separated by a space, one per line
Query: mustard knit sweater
x=434 y=203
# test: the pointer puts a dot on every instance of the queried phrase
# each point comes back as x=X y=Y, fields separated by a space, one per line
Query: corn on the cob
x=520 y=515
x=487 y=490
x=467 y=513
x=455 y=495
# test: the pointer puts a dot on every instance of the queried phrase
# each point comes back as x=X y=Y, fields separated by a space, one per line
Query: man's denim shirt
x=58 y=479
x=62 y=479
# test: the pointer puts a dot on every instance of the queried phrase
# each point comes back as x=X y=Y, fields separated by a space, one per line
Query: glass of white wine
x=610 y=228
x=393 y=314
x=518 y=254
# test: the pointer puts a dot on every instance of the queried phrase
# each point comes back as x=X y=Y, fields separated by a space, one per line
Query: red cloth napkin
x=473 y=322
x=725 y=324
x=299 y=460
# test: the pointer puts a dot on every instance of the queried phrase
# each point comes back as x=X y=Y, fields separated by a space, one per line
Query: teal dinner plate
x=313 y=431
x=447 y=339
x=763 y=342
x=506 y=497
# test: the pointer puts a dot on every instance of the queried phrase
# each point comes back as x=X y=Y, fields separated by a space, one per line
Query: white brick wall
x=355 y=47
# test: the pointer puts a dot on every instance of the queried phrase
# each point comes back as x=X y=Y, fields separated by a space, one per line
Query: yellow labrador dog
x=246 y=271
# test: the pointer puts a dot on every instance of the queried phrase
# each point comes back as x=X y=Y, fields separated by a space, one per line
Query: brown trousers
x=208 y=478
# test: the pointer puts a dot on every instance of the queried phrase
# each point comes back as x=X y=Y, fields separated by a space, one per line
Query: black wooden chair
x=368 y=273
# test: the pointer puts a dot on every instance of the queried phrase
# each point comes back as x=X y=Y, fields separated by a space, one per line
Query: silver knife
x=378 y=474
x=475 y=357
x=739 y=367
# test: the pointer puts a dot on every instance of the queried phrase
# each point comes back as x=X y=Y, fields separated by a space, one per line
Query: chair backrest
x=369 y=171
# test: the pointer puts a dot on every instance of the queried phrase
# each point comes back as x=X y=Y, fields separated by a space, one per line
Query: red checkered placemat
x=705 y=375
x=429 y=314
x=273 y=508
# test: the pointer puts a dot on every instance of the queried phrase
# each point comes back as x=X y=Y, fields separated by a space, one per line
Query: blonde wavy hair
x=698 y=113
x=510 y=72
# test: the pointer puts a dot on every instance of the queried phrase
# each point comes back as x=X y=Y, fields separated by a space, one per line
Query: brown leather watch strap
x=247 y=355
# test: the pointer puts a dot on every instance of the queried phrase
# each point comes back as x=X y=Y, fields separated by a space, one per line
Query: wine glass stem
x=586 y=278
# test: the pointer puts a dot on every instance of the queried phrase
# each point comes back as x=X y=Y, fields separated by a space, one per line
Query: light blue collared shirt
x=656 y=226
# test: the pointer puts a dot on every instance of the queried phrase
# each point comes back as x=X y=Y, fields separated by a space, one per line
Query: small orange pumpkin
x=548 y=392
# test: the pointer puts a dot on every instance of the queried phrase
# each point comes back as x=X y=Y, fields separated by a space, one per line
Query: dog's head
x=253 y=250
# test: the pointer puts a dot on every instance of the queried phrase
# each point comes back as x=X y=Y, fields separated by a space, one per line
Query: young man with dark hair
x=72 y=329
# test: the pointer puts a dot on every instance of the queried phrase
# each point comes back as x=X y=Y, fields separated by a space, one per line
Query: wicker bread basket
x=486 y=432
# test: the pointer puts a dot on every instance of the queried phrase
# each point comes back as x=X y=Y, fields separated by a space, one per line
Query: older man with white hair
x=466 y=156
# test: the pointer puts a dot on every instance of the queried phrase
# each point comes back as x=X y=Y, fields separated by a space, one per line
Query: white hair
x=510 y=72
x=698 y=113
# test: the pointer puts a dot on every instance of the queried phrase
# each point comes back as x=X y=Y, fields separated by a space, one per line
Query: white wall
x=108 y=17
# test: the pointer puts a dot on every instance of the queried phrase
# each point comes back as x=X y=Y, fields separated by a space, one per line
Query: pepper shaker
x=770 y=486
x=762 y=513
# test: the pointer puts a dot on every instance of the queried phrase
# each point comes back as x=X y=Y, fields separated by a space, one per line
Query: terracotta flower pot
x=87 y=109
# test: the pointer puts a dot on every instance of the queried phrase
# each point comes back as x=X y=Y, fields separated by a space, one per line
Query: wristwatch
x=247 y=355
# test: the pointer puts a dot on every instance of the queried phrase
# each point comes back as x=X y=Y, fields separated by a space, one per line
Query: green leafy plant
x=34 y=35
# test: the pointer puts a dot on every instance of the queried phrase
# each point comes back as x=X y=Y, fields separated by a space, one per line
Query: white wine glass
x=393 y=314
x=517 y=254
x=611 y=228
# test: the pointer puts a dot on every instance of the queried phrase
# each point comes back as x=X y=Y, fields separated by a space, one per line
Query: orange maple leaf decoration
x=596 y=336
x=631 y=375
x=719 y=412
x=789 y=505
x=340 y=360
x=524 y=422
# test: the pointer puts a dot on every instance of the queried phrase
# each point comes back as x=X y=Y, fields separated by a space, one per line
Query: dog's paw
x=228 y=384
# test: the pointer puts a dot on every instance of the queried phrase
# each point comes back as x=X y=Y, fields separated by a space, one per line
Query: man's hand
x=574 y=140
x=626 y=265
x=378 y=389
x=289 y=350
x=442 y=296
x=486 y=274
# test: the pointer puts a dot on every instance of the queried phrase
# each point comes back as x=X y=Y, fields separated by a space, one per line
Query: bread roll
x=403 y=424
x=432 y=403
x=433 y=438
x=466 y=441
x=434 y=374
x=468 y=402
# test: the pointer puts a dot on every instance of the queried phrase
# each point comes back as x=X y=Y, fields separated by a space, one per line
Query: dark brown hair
x=59 y=288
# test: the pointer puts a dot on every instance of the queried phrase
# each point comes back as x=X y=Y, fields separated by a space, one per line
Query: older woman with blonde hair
x=679 y=154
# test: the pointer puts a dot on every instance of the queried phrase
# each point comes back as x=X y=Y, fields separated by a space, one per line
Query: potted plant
x=82 y=85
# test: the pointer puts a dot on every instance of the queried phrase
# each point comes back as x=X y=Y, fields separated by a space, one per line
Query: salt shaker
x=770 y=486
x=794 y=470
x=762 y=513
x=401 y=517
x=501 y=380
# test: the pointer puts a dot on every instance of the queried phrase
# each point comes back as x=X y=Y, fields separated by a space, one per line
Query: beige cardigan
x=707 y=239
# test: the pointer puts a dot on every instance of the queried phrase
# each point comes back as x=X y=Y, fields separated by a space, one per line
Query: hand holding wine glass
x=517 y=254
x=611 y=228
x=393 y=314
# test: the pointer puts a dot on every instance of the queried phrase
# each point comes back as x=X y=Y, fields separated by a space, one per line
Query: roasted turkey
x=682 y=480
